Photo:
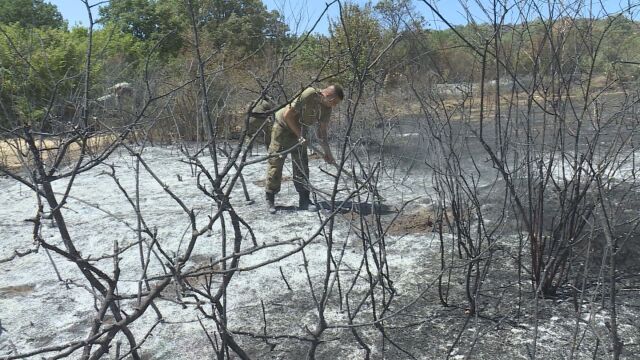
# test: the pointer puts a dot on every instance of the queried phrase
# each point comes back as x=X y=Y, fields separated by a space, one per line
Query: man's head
x=332 y=95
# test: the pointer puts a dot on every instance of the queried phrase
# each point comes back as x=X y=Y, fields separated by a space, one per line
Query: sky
x=302 y=14
x=299 y=14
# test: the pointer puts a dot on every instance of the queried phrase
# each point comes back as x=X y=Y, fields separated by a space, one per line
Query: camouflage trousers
x=282 y=139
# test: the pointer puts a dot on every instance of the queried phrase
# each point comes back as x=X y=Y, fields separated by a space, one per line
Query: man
x=312 y=107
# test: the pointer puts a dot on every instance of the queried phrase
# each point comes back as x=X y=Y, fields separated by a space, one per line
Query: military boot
x=271 y=206
x=304 y=202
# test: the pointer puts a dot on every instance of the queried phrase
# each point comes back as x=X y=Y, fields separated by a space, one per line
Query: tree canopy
x=138 y=32
x=239 y=24
x=31 y=13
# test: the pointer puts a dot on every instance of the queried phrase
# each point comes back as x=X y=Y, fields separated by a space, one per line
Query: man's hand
x=326 y=153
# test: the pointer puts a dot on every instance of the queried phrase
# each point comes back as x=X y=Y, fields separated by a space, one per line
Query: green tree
x=37 y=68
x=412 y=52
x=148 y=20
x=31 y=13
x=356 y=38
x=398 y=15
x=242 y=24
x=312 y=53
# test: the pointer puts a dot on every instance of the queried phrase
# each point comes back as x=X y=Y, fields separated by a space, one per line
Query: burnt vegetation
x=485 y=199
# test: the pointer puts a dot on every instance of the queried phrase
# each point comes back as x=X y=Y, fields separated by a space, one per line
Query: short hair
x=337 y=90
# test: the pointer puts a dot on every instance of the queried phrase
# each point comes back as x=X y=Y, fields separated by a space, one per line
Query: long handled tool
x=344 y=171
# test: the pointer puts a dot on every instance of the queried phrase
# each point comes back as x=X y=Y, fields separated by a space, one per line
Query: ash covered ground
x=37 y=310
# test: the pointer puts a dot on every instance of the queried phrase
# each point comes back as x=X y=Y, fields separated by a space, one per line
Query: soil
x=416 y=221
x=16 y=291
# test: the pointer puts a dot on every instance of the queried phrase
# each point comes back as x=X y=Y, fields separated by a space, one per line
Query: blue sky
x=301 y=14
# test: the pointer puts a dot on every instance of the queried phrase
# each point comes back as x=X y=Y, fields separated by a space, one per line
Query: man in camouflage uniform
x=312 y=107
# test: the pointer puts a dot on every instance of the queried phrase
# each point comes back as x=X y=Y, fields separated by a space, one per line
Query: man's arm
x=290 y=118
x=322 y=135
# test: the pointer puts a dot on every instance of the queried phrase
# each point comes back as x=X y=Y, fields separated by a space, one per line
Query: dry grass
x=467 y=107
x=15 y=153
